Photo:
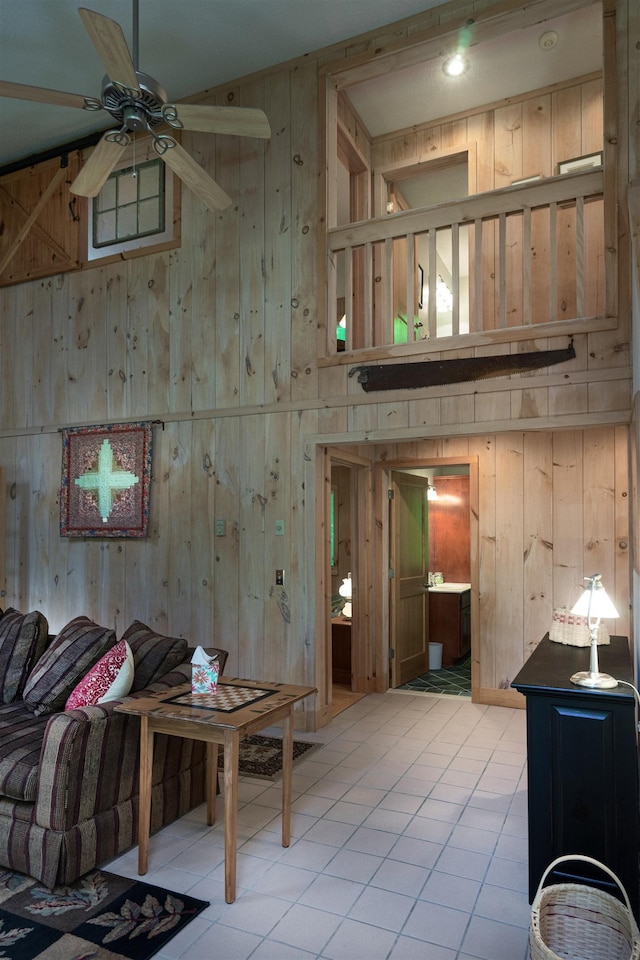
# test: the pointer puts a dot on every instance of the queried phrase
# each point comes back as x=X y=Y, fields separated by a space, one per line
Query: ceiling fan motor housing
x=136 y=109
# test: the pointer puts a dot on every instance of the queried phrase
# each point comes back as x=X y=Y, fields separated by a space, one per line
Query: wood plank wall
x=218 y=341
x=528 y=136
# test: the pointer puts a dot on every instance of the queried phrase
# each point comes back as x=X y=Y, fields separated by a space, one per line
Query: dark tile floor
x=455 y=681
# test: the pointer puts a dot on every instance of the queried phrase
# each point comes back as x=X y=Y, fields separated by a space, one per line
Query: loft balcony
x=524 y=261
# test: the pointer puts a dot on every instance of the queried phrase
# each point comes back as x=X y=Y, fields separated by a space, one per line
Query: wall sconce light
x=594 y=604
x=346 y=590
x=432 y=493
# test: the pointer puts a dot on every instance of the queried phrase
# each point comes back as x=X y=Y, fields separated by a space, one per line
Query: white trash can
x=435 y=656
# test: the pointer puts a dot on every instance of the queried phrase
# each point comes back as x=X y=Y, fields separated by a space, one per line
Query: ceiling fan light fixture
x=455 y=66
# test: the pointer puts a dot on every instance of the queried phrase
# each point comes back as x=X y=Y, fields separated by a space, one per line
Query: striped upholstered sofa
x=69 y=778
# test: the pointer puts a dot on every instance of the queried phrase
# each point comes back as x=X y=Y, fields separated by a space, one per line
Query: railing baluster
x=502 y=271
x=411 y=283
x=455 y=278
x=553 y=261
x=432 y=283
x=527 y=306
x=368 y=295
x=348 y=297
x=580 y=256
x=387 y=294
x=477 y=271
x=332 y=306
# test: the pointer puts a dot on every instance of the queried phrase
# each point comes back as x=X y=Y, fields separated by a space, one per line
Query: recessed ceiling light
x=455 y=66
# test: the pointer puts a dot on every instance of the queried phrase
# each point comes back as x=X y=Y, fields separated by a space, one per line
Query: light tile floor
x=409 y=843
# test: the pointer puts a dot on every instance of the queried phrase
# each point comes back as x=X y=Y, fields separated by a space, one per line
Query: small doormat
x=262 y=756
x=99 y=917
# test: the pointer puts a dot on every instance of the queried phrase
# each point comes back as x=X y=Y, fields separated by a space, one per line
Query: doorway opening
x=346 y=617
x=354 y=536
x=430 y=550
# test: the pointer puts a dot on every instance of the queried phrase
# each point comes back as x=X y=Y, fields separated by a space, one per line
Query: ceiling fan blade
x=239 y=121
x=95 y=171
x=196 y=179
x=21 y=91
x=109 y=41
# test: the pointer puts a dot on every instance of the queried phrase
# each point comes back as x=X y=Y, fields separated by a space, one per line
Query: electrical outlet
x=221 y=528
x=279 y=578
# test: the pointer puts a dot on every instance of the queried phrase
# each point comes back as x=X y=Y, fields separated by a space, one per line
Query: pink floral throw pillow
x=110 y=679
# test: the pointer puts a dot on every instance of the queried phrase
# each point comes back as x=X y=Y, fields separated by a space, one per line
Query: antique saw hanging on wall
x=140 y=105
x=435 y=373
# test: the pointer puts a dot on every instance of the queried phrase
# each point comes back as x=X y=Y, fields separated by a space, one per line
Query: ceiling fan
x=140 y=105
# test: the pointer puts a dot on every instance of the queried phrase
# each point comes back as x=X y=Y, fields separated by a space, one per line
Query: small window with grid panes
x=132 y=211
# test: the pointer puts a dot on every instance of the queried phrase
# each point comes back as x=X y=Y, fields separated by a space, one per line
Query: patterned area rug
x=100 y=917
x=262 y=756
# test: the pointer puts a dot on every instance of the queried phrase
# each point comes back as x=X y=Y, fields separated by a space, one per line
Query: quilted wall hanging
x=106 y=474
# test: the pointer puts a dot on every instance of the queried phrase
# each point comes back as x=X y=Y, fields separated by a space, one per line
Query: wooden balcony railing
x=514 y=258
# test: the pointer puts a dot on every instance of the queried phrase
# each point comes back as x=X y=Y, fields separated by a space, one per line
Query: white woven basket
x=573 y=630
x=573 y=921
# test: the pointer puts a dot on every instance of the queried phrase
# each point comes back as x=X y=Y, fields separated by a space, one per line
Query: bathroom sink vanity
x=450 y=620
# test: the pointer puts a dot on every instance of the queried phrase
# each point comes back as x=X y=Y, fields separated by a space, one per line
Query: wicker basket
x=573 y=921
x=573 y=630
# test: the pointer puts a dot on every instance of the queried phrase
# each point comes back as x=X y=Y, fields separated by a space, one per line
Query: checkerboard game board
x=227 y=698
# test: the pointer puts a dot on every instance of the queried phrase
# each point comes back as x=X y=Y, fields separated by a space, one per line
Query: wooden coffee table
x=237 y=709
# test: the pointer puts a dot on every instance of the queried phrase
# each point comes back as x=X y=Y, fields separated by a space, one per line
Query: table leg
x=231 y=753
x=144 y=814
x=212 y=781
x=287 y=768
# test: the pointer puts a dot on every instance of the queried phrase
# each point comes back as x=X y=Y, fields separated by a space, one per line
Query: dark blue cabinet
x=582 y=765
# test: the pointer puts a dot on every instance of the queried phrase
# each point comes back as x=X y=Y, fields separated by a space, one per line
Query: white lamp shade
x=345 y=588
x=595 y=603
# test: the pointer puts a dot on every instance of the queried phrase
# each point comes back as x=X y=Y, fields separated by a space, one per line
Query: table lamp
x=594 y=604
x=345 y=590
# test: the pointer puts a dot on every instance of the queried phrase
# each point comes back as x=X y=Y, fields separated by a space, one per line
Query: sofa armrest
x=90 y=758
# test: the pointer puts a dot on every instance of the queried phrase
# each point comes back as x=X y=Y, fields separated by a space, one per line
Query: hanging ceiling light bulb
x=455 y=66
